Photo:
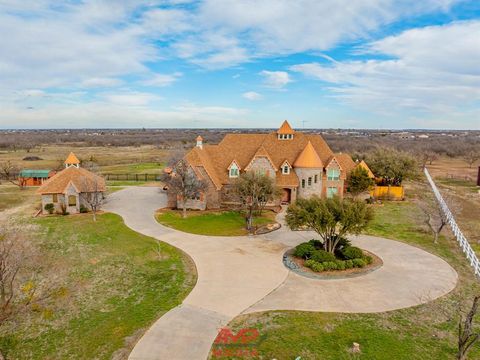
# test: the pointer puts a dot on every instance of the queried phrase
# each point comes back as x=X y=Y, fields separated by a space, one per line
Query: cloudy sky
x=240 y=63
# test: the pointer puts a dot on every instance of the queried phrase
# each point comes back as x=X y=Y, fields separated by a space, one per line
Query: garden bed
x=309 y=259
x=297 y=265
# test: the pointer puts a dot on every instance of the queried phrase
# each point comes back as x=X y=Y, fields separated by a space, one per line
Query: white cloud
x=161 y=80
x=133 y=98
x=101 y=82
x=275 y=79
x=252 y=96
x=433 y=69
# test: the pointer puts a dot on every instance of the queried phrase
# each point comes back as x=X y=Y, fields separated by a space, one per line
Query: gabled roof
x=333 y=159
x=364 y=165
x=261 y=152
x=26 y=173
x=308 y=158
x=234 y=162
x=72 y=159
x=345 y=161
x=285 y=128
x=82 y=179
x=290 y=179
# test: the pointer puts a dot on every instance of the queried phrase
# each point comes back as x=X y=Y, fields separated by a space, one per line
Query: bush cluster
x=318 y=260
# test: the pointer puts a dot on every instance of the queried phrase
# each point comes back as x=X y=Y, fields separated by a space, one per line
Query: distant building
x=423 y=136
x=68 y=188
x=28 y=177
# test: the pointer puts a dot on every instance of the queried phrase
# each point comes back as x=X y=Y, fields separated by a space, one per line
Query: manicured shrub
x=368 y=259
x=322 y=256
x=49 y=207
x=309 y=263
x=340 y=264
x=329 y=265
x=318 y=244
x=359 y=263
x=348 y=264
x=317 y=267
x=83 y=209
x=304 y=250
x=352 y=252
x=343 y=243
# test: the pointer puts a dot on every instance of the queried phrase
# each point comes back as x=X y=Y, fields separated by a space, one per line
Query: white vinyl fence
x=462 y=240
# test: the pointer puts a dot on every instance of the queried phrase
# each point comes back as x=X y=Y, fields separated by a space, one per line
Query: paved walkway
x=246 y=274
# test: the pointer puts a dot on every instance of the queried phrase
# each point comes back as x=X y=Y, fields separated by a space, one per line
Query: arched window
x=72 y=200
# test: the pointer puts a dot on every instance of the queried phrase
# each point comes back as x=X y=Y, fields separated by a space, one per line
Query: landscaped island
x=311 y=255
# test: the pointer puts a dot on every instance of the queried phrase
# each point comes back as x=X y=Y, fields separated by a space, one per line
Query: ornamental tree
x=331 y=218
x=254 y=191
x=358 y=181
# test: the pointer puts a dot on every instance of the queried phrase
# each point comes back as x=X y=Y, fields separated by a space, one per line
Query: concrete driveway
x=246 y=274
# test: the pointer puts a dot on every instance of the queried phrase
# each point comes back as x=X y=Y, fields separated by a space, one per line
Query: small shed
x=29 y=177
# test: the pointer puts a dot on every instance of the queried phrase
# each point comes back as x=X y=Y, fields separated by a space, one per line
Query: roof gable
x=285 y=128
x=82 y=179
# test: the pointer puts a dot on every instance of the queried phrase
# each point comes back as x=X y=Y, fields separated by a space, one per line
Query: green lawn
x=114 y=284
x=226 y=223
x=425 y=332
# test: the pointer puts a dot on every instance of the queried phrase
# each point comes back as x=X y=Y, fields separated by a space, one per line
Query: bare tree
x=93 y=195
x=426 y=156
x=11 y=173
x=466 y=334
x=471 y=157
x=183 y=182
x=435 y=217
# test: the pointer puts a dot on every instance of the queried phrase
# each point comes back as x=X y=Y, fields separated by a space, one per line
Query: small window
x=310 y=181
x=303 y=183
x=333 y=174
x=286 y=170
x=331 y=192
x=316 y=179
x=233 y=173
x=54 y=198
x=290 y=136
x=72 y=200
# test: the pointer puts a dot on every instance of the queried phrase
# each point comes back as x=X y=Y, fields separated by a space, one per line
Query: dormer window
x=233 y=170
x=286 y=168
x=285 y=136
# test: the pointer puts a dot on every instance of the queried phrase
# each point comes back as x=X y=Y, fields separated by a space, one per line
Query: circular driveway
x=245 y=274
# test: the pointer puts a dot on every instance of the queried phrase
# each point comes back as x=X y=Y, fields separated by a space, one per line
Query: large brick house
x=301 y=164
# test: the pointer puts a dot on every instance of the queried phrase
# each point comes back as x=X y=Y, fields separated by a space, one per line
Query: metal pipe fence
x=461 y=239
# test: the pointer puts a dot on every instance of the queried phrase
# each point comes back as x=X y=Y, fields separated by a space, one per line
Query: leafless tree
x=182 y=181
x=10 y=172
x=434 y=217
x=20 y=285
x=94 y=195
x=466 y=334
x=472 y=156
x=426 y=156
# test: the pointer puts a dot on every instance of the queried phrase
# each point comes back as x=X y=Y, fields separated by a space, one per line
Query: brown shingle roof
x=282 y=180
x=308 y=158
x=345 y=161
x=83 y=180
x=216 y=159
x=72 y=159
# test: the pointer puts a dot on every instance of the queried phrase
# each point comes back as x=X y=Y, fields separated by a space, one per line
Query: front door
x=286 y=195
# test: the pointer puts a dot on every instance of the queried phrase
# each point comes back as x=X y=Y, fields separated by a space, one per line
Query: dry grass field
x=120 y=159
x=457 y=182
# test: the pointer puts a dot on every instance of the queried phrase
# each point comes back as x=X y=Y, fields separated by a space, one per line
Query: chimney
x=199 y=142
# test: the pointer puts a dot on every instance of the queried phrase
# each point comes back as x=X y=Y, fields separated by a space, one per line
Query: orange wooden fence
x=388 y=192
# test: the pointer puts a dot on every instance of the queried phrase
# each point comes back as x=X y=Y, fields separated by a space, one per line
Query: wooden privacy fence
x=132 y=177
x=387 y=192
x=462 y=240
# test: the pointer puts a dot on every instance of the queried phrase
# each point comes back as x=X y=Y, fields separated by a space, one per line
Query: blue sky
x=244 y=63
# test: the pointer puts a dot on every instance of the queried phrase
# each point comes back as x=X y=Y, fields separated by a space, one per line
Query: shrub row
x=337 y=264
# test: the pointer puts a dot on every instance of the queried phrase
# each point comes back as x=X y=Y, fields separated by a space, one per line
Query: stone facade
x=71 y=198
